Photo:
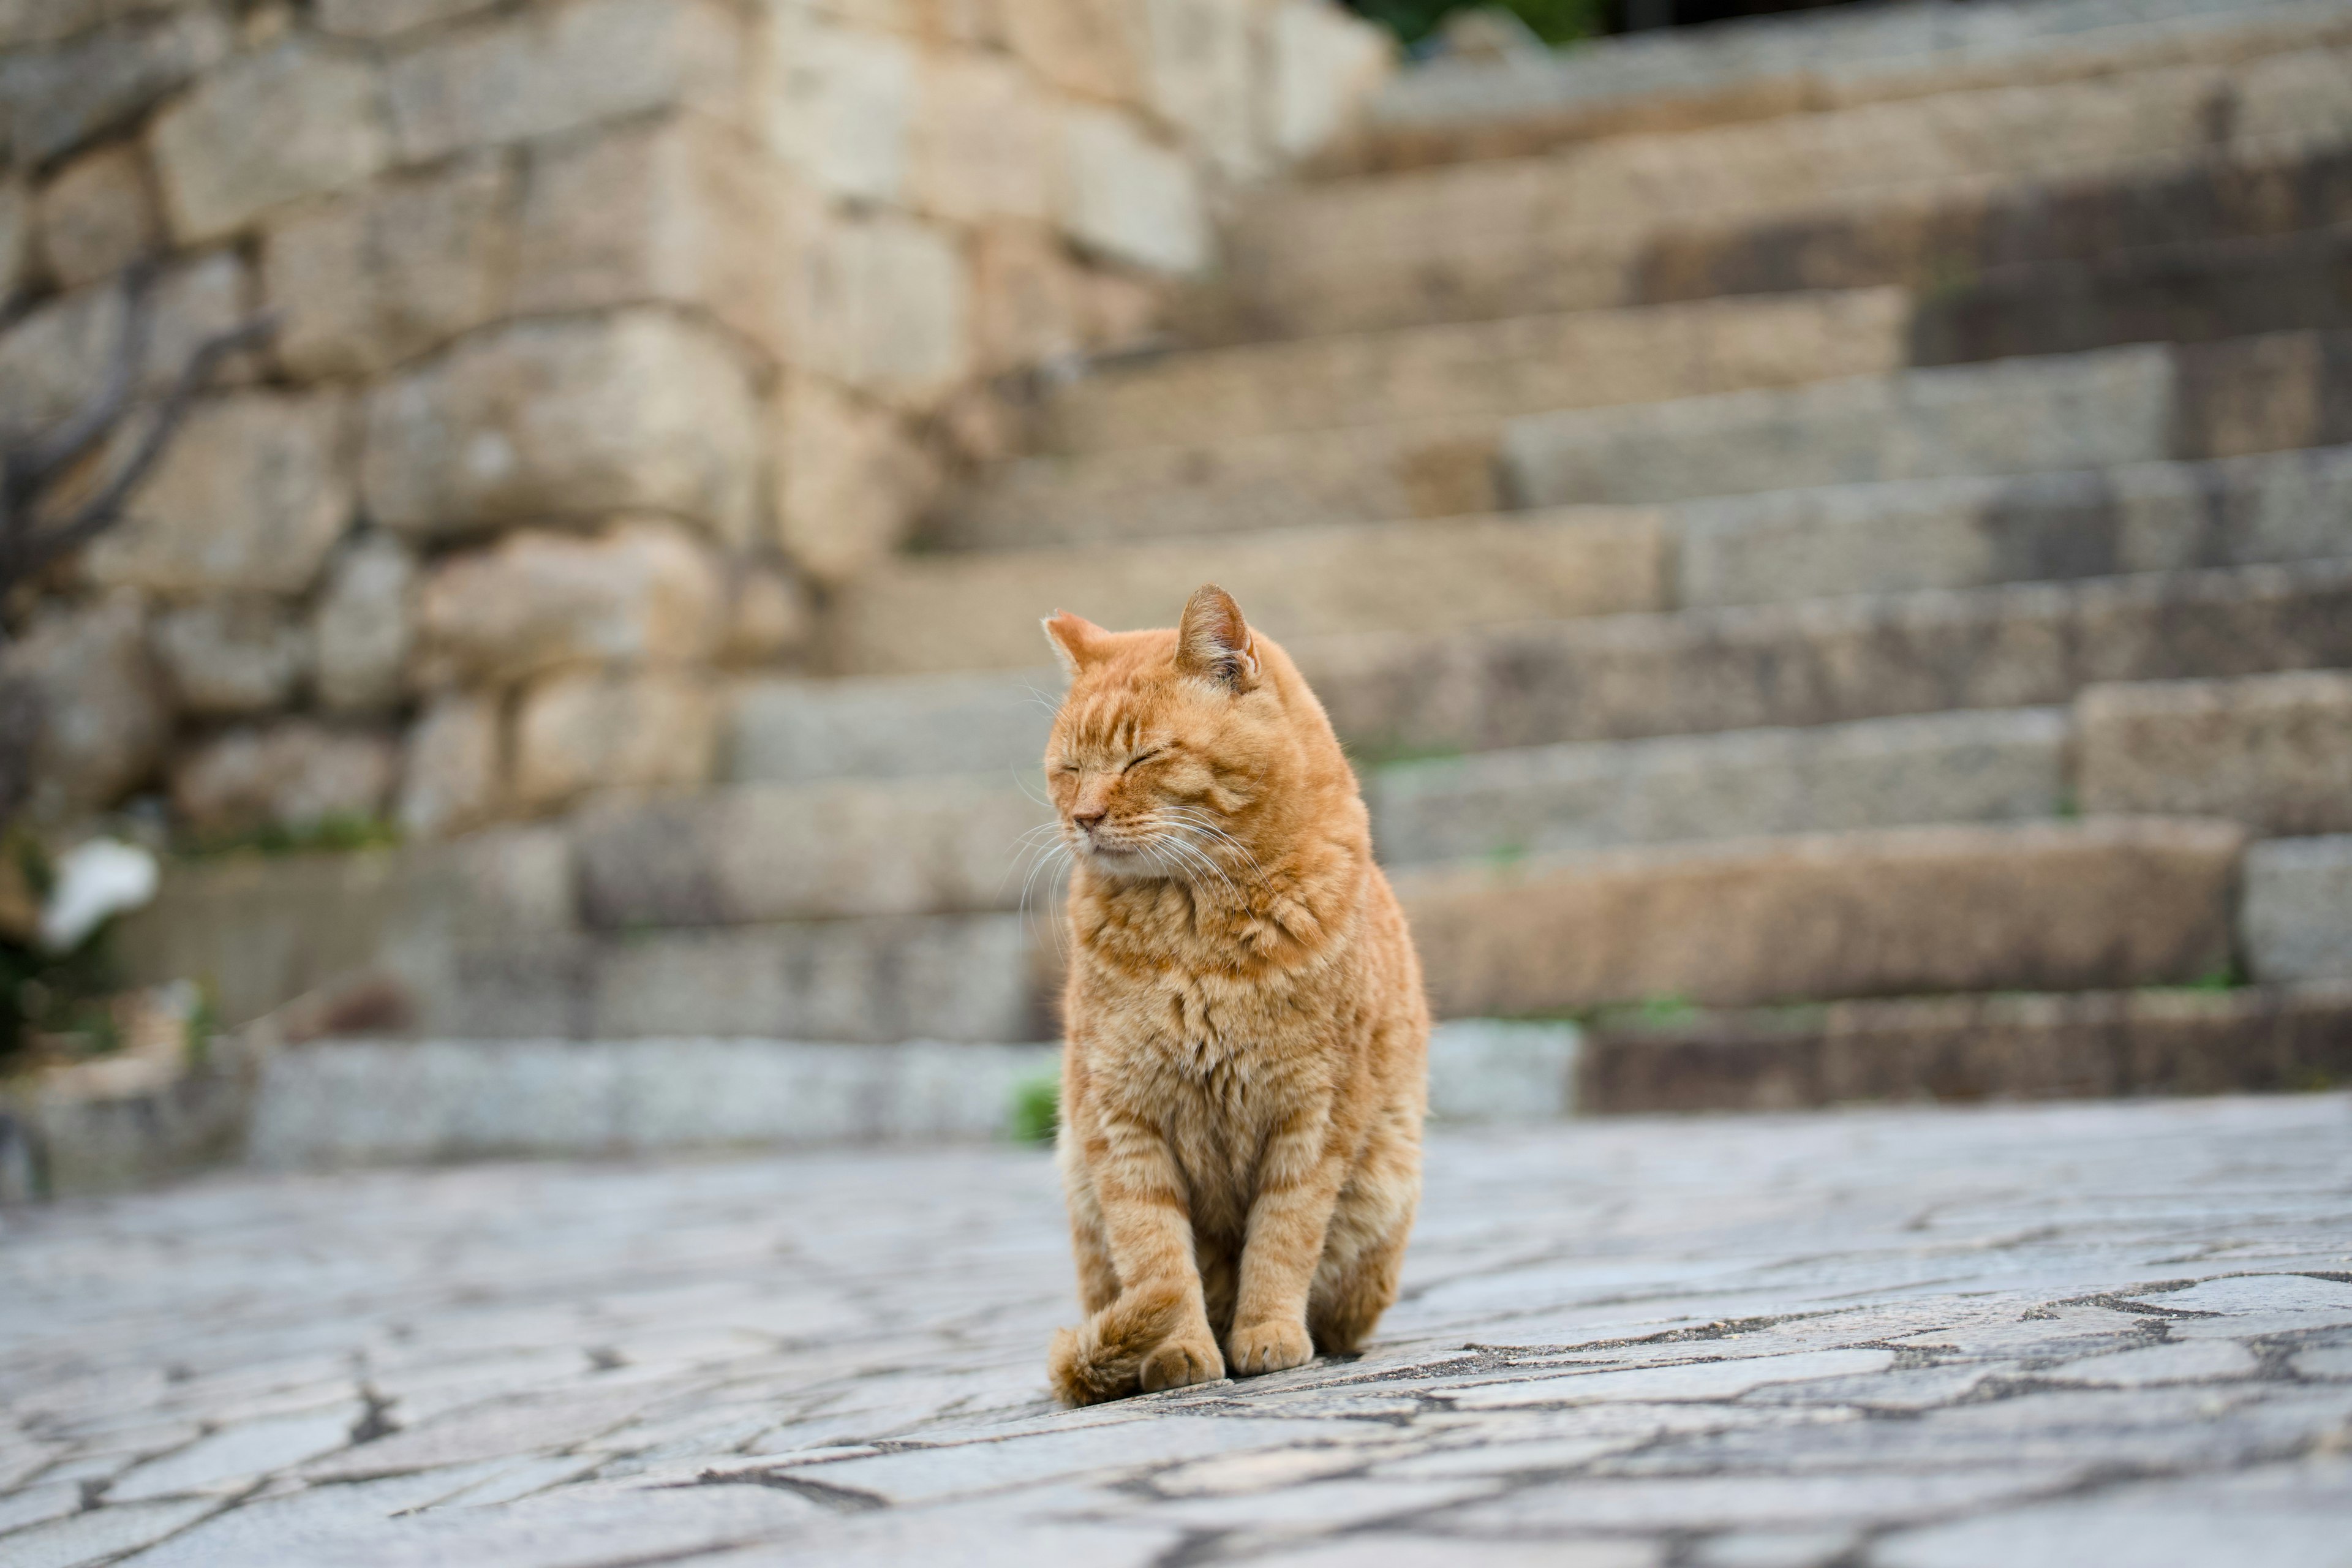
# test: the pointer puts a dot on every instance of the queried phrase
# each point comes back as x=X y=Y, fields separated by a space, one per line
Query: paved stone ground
x=2081 y=1334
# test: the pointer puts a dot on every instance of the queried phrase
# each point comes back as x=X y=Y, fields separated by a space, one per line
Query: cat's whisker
x=1020 y=782
x=1201 y=823
x=1192 y=854
x=1027 y=845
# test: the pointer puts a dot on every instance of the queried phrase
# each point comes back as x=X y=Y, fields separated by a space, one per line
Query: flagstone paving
x=2115 y=1334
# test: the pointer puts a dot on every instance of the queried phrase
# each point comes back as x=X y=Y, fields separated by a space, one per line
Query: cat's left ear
x=1213 y=642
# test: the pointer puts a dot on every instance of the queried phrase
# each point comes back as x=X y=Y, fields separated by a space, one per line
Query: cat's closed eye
x=1141 y=758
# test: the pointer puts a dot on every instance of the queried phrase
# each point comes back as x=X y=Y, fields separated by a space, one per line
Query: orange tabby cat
x=1245 y=1071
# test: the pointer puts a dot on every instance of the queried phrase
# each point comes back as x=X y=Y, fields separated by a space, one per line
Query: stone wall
x=612 y=336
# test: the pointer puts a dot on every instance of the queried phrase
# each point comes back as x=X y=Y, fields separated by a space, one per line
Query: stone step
x=2130 y=405
x=1807 y=662
x=1457 y=109
x=1566 y=230
x=361 y=1102
x=982 y=608
x=2195 y=290
x=1503 y=806
x=977 y=608
x=951 y=844
x=2269 y=393
x=1970 y=1048
x=1825 y=543
x=1396 y=694
x=1575 y=360
x=2102 y=904
x=484 y=937
x=336 y=1102
x=1937 y=239
x=2203 y=290
x=797 y=730
x=2272 y=753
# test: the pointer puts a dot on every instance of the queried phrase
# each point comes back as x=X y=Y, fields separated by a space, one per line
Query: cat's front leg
x=1299 y=1186
x=1156 y=1334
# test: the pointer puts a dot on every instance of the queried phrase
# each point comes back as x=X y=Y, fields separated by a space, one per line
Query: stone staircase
x=1836 y=565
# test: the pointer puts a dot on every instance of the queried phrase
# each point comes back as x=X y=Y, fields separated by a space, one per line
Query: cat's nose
x=1088 y=820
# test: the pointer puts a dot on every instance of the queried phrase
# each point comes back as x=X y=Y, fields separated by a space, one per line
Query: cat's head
x=1177 y=751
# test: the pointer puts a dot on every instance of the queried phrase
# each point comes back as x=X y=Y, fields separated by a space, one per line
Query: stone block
x=1129 y=198
x=769 y=617
x=363 y=625
x=2294 y=96
x=98 y=216
x=2102 y=904
x=267 y=128
x=1963 y=532
x=1352 y=474
x=791 y=729
x=54 y=99
x=975 y=610
x=258 y=930
x=850 y=481
x=1200 y=76
x=18 y=225
x=2273 y=751
x=356 y=1102
x=386 y=18
x=1092 y=48
x=578 y=731
x=105 y=717
x=454 y=775
x=252 y=494
x=24 y=23
x=841 y=105
x=55 y=356
x=1028 y=299
x=644 y=592
x=2296 y=918
x=980 y=143
x=869 y=981
x=1968 y=1049
x=373 y=280
x=1490 y=1070
x=486 y=937
x=2267 y=392
x=1825 y=661
x=1999 y=766
x=566 y=419
x=295 y=774
x=230 y=656
x=882 y=303
x=682 y=211
x=1326 y=65
x=2077 y=411
x=754 y=853
x=549 y=68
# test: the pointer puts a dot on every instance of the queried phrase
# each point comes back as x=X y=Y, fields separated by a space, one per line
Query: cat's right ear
x=1077 y=640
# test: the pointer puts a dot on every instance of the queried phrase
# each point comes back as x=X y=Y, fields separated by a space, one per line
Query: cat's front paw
x=1182 y=1361
x=1274 y=1345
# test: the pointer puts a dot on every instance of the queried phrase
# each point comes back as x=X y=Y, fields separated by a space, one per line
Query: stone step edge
x=371 y=1101
x=2037 y=1046
x=1513 y=114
